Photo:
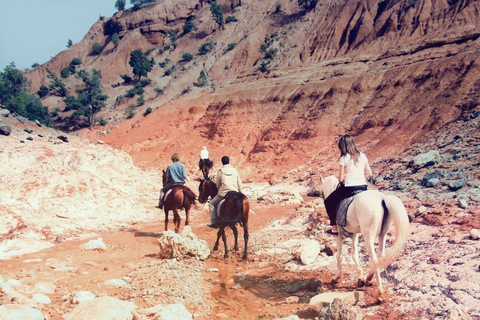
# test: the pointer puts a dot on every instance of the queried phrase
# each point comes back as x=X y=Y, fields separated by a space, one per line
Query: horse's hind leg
x=369 y=244
x=166 y=219
x=187 y=216
x=235 y=234
x=219 y=234
x=224 y=238
x=361 y=281
x=245 y=238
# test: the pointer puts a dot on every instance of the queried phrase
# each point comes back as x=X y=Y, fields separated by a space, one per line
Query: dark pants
x=334 y=199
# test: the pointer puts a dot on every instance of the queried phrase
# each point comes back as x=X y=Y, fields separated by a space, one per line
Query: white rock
x=103 y=308
x=475 y=234
x=173 y=312
x=19 y=312
x=82 y=296
x=45 y=287
x=309 y=251
x=116 y=282
x=325 y=299
x=95 y=245
x=173 y=245
x=40 y=297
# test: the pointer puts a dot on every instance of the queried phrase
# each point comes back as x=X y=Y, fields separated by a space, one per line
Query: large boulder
x=103 y=308
x=174 y=245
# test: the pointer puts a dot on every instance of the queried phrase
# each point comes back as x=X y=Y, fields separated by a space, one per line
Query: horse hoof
x=215 y=249
x=335 y=280
x=225 y=256
x=361 y=283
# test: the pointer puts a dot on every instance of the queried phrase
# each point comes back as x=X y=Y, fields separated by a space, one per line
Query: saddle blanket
x=342 y=208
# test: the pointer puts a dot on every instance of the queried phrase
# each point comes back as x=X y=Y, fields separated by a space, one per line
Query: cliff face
x=386 y=72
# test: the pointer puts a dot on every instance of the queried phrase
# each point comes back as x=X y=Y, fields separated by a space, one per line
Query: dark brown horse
x=234 y=210
x=205 y=165
x=177 y=198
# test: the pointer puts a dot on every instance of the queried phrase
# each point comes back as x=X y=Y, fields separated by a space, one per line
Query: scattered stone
x=463 y=203
x=314 y=284
x=29 y=138
x=292 y=317
x=435 y=258
x=95 y=245
x=457 y=184
x=116 y=282
x=5 y=130
x=309 y=251
x=63 y=138
x=339 y=310
x=292 y=299
x=18 y=311
x=424 y=160
x=474 y=234
x=173 y=245
x=82 y=296
x=329 y=250
x=28 y=130
x=325 y=299
x=102 y=308
x=40 y=297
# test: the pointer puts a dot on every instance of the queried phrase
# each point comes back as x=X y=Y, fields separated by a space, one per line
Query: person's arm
x=239 y=182
x=368 y=170
x=341 y=176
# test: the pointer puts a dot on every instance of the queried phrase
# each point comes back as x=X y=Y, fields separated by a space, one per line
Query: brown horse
x=176 y=198
x=234 y=210
x=205 y=165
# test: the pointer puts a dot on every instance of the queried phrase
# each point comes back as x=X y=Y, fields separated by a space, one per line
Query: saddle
x=343 y=206
x=218 y=210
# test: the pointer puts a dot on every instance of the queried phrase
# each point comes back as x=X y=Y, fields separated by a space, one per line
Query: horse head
x=207 y=188
x=329 y=184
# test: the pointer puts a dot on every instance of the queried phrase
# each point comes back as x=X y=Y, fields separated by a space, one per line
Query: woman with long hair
x=354 y=170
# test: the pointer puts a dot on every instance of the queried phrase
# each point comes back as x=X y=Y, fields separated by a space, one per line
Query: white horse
x=371 y=214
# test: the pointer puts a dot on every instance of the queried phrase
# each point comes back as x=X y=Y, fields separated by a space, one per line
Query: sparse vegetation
x=206 y=48
x=159 y=91
x=202 y=79
x=115 y=39
x=140 y=63
x=278 y=7
x=34 y=65
x=186 y=90
x=264 y=65
x=43 y=91
x=172 y=35
x=169 y=70
x=230 y=46
x=147 y=111
x=120 y=5
x=164 y=63
x=186 y=57
x=96 y=49
x=230 y=19
x=189 y=26
x=69 y=43
x=56 y=85
x=307 y=4
x=217 y=13
x=65 y=72
x=15 y=95
x=90 y=99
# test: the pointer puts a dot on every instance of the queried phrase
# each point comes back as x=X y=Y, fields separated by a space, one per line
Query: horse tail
x=189 y=193
x=397 y=211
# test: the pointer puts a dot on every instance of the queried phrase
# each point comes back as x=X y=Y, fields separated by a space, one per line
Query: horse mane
x=329 y=185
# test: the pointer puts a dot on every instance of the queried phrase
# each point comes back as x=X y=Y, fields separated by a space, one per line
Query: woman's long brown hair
x=347 y=146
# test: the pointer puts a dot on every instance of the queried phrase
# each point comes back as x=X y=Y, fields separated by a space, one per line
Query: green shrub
x=115 y=39
x=145 y=82
x=186 y=90
x=202 y=79
x=43 y=91
x=130 y=114
x=140 y=63
x=76 y=62
x=65 y=72
x=186 y=57
x=159 y=91
x=149 y=51
x=164 y=63
x=120 y=5
x=216 y=12
x=188 y=26
x=69 y=43
x=96 y=49
x=102 y=121
x=147 y=112
x=140 y=101
x=230 y=19
x=170 y=70
x=126 y=78
x=172 y=35
x=307 y=4
x=278 y=7
x=34 y=65
x=264 y=65
x=166 y=47
x=205 y=48
x=231 y=46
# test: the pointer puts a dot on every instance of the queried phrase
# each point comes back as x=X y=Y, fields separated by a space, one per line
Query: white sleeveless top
x=354 y=172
